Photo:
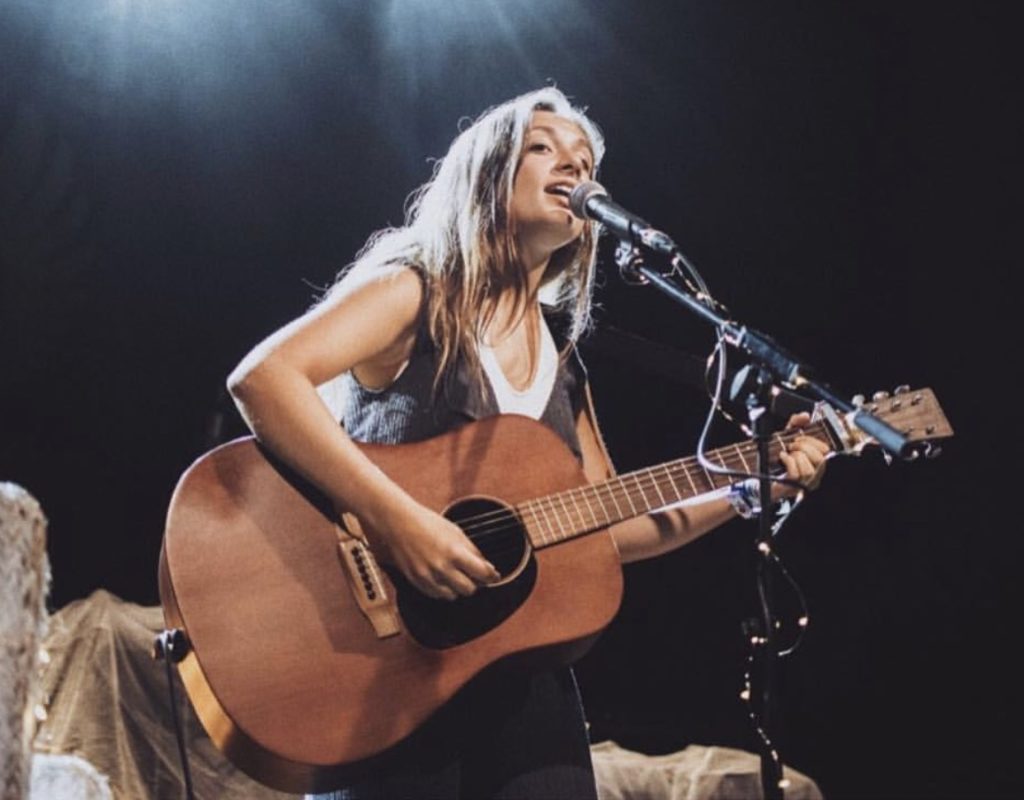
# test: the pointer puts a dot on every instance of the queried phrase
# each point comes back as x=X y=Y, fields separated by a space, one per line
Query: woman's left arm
x=654 y=534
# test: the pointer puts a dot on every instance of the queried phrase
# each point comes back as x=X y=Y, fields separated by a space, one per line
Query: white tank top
x=532 y=400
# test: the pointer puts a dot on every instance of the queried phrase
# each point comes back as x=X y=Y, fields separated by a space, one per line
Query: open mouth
x=562 y=189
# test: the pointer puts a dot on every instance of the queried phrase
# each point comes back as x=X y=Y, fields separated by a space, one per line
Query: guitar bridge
x=367 y=584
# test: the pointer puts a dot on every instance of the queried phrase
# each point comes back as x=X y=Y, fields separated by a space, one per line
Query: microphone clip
x=630 y=258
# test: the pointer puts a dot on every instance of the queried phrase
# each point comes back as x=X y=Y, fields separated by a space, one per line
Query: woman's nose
x=570 y=165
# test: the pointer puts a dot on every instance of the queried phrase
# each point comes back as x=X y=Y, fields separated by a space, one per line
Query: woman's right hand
x=371 y=326
x=433 y=553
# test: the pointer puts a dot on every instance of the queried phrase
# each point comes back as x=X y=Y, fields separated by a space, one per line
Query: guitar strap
x=588 y=407
x=365 y=578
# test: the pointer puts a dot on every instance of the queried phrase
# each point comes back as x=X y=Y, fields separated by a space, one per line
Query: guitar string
x=614 y=486
x=577 y=522
x=502 y=521
x=648 y=482
x=582 y=506
x=689 y=466
x=579 y=525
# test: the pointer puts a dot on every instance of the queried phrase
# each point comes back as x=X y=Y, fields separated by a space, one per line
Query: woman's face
x=556 y=156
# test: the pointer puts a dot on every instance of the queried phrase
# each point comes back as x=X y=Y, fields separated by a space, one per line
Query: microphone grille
x=579 y=197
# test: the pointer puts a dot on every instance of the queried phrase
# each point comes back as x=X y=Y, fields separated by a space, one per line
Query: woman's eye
x=539 y=147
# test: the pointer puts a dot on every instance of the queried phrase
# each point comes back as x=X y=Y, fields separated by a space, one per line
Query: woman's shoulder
x=403 y=284
x=389 y=298
x=385 y=308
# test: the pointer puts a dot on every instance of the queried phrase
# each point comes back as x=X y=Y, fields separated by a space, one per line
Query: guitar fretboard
x=557 y=517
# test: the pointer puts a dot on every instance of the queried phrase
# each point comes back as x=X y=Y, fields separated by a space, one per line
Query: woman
x=436 y=323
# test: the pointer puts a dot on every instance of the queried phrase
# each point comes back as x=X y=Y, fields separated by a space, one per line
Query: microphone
x=590 y=200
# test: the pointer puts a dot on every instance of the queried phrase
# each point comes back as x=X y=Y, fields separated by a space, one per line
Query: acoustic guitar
x=309 y=656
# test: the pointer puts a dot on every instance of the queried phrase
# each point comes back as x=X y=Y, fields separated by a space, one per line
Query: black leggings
x=505 y=736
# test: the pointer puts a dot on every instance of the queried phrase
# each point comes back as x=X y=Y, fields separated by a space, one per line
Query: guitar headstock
x=913 y=412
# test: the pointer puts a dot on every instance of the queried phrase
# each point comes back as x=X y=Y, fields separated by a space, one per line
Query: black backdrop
x=176 y=179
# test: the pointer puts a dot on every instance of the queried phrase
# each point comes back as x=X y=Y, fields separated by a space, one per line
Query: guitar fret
x=586 y=506
x=558 y=518
x=743 y=461
x=618 y=511
x=605 y=517
x=596 y=506
x=721 y=460
x=583 y=519
x=657 y=488
x=532 y=508
x=782 y=445
x=707 y=475
x=550 y=519
x=590 y=508
x=675 y=489
x=629 y=497
x=578 y=523
x=640 y=488
x=689 y=477
x=538 y=513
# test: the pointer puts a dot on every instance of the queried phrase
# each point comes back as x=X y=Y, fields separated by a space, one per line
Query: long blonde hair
x=457 y=233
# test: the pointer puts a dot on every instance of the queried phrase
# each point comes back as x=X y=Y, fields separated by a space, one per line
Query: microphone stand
x=773 y=364
x=758 y=402
x=782 y=366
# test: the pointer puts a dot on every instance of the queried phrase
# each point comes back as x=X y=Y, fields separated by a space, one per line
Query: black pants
x=506 y=736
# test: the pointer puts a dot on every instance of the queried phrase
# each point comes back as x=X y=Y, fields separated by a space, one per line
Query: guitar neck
x=564 y=515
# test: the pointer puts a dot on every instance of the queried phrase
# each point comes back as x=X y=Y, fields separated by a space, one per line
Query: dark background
x=177 y=179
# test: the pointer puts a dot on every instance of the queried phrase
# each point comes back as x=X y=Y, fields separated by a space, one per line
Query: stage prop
x=24 y=583
x=694 y=773
x=107 y=703
x=108 y=719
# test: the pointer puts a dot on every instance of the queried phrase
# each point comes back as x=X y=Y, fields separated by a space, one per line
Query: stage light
x=429 y=41
x=212 y=62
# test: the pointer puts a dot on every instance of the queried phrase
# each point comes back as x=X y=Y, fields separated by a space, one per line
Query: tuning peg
x=933 y=451
x=880 y=396
x=858 y=400
x=902 y=389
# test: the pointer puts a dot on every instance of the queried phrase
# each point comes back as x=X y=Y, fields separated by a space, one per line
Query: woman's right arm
x=371 y=328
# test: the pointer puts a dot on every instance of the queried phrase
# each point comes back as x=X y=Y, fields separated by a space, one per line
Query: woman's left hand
x=804 y=459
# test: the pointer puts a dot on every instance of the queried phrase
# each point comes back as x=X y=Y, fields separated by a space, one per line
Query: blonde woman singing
x=436 y=323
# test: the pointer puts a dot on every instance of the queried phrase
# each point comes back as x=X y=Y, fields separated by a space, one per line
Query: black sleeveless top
x=410 y=409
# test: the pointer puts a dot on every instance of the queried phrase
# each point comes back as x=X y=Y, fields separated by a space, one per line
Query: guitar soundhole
x=494 y=529
x=498 y=533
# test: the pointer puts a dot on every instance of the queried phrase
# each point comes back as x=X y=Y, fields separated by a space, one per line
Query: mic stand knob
x=630 y=259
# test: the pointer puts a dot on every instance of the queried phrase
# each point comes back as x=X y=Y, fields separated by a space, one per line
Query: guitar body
x=285 y=672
